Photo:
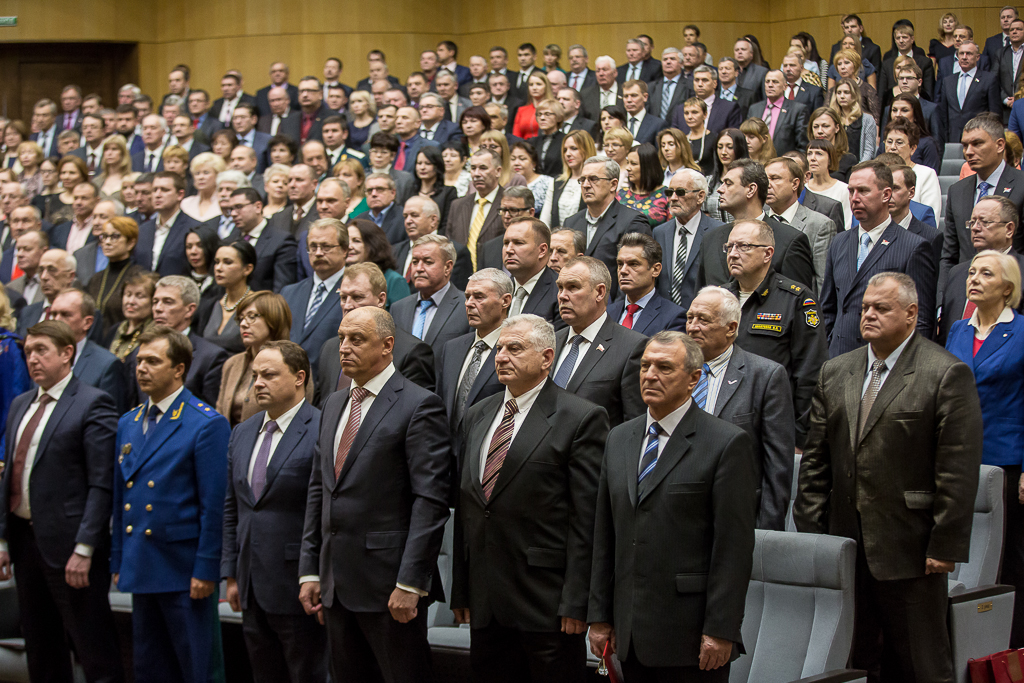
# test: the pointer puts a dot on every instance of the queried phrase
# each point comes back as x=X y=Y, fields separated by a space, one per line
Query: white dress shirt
x=524 y=402
x=528 y=286
x=588 y=334
x=890 y=363
x=609 y=97
x=24 y=510
x=639 y=116
x=576 y=81
x=668 y=425
x=690 y=230
x=275 y=439
x=875 y=233
x=163 y=405
x=593 y=222
x=31 y=288
x=633 y=70
x=160 y=236
x=489 y=341
x=228 y=108
x=718 y=367
x=789 y=214
x=330 y=283
x=992 y=180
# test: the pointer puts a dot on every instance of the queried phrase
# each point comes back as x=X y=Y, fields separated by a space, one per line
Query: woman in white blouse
x=203 y=205
x=901 y=137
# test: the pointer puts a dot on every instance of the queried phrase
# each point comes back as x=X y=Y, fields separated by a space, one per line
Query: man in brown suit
x=891 y=461
x=476 y=218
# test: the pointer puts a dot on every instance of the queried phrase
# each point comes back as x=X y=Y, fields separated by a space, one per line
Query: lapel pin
x=1006 y=190
x=126 y=449
x=733 y=381
x=885 y=243
x=600 y=347
x=177 y=413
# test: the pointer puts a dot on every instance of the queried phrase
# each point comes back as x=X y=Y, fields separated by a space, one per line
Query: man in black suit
x=270 y=459
x=422 y=217
x=93 y=364
x=729 y=88
x=74 y=234
x=464 y=222
x=786 y=119
x=636 y=67
x=903 y=37
x=44 y=122
x=904 y=182
x=280 y=120
x=371 y=587
x=571 y=103
x=56 y=272
x=605 y=220
x=363 y=284
x=527 y=624
x=750 y=75
x=984 y=150
x=796 y=88
x=62 y=550
x=93 y=136
x=231 y=96
x=275 y=249
x=722 y=113
x=149 y=159
x=606 y=91
x=750 y=391
x=312 y=112
x=1011 y=66
x=302 y=182
x=161 y=245
x=433 y=126
x=314 y=301
x=185 y=137
x=743 y=193
x=202 y=122
x=642 y=126
x=993 y=224
x=671 y=89
x=664 y=625
x=642 y=308
x=967 y=94
x=579 y=76
x=852 y=26
x=516 y=204
x=526 y=248
x=436 y=313
x=596 y=358
x=903 y=489
x=384 y=212
x=71 y=104
x=995 y=45
x=278 y=78
x=878 y=245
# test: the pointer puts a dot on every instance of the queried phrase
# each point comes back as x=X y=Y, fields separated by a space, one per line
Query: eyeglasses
x=325 y=248
x=250 y=318
x=743 y=247
x=672 y=192
x=592 y=179
x=110 y=237
x=984 y=225
x=510 y=211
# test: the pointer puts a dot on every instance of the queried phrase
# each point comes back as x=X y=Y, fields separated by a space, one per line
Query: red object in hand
x=609 y=665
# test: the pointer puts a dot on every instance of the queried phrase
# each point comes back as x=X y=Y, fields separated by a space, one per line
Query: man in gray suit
x=892 y=462
x=785 y=183
x=749 y=391
x=30 y=248
x=437 y=312
x=674 y=530
x=786 y=119
x=595 y=356
x=90 y=258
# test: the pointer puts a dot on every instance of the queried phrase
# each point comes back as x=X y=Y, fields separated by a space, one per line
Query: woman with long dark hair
x=909 y=107
x=368 y=243
x=730 y=145
x=232 y=267
x=645 y=193
x=429 y=183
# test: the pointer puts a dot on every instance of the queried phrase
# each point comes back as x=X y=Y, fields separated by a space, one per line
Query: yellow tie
x=474 y=229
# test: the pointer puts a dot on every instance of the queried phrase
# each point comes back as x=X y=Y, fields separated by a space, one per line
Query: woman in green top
x=367 y=242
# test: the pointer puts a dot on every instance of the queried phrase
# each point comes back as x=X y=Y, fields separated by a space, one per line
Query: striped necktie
x=650 y=456
x=475 y=227
x=700 y=392
x=498 y=449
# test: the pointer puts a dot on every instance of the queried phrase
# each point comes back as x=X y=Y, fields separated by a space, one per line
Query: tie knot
x=481 y=200
x=511 y=407
x=632 y=308
x=706 y=368
x=359 y=393
x=271 y=427
x=654 y=429
x=44 y=399
x=480 y=346
x=321 y=287
x=521 y=293
x=577 y=340
x=878 y=366
x=865 y=240
x=425 y=304
x=983 y=186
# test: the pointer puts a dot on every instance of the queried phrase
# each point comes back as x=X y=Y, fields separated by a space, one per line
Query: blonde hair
x=6 y=312
x=363 y=96
x=850 y=56
x=759 y=129
x=1011 y=274
x=548 y=93
x=855 y=109
x=621 y=135
x=356 y=168
x=34 y=147
x=587 y=148
x=125 y=166
x=208 y=160
x=682 y=144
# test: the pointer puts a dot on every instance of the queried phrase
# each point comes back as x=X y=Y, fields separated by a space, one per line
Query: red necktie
x=969 y=310
x=400 y=159
x=195 y=124
x=575 y=81
x=789 y=92
x=21 y=451
x=307 y=124
x=631 y=310
x=355 y=418
x=67 y=121
x=408 y=273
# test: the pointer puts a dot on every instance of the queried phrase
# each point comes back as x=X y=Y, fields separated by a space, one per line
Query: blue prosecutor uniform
x=169 y=487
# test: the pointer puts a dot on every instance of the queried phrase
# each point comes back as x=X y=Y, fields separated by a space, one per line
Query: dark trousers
x=635 y=672
x=372 y=647
x=507 y=655
x=284 y=647
x=1012 y=570
x=53 y=612
x=173 y=636
x=900 y=630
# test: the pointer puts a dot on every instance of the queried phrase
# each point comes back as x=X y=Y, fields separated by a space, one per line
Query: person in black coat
x=982 y=93
x=275 y=249
x=548 y=142
x=429 y=180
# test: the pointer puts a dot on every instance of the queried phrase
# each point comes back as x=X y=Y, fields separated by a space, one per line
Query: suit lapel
x=331 y=301
x=475 y=444
x=305 y=291
x=603 y=225
x=287 y=446
x=61 y=409
x=531 y=433
x=174 y=235
x=592 y=356
x=636 y=442
x=169 y=423
x=734 y=374
x=854 y=387
x=18 y=412
x=678 y=445
x=487 y=371
x=246 y=446
x=381 y=405
x=885 y=242
x=649 y=314
x=444 y=310
x=895 y=382
x=460 y=347
x=997 y=338
x=694 y=251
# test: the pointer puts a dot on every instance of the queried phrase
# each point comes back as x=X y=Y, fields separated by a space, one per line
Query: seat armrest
x=980 y=593
x=837 y=676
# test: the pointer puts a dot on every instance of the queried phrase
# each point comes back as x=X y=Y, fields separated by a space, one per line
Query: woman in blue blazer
x=991 y=341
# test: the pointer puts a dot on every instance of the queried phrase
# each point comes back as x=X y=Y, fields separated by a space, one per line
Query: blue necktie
x=154 y=413
x=983 y=189
x=666 y=98
x=862 y=252
x=565 y=371
x=650 y=456
x=421 y=318
x=962 y=89
x=321 y=291
x=700 y=392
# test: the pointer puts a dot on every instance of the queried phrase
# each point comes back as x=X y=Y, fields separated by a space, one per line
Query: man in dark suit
x=364 y=285
x=74 y=234
x=447 y=52
x=447 y=88
x=920 y=476
x=1011 y=66
x=722 y=114
x=270 y=459
x=852 y=26
x=44 y=120
x=877 y=245
x=579 y=76
x=641 y=308
x=372 y=588
x=312 y=111
x=71 y=104
x=185 y=137
x=243 y=123
x=796 y=88
x=662 y=624
x=671 y=89
x=574 y=120
x=231 y=96
x=433 y=126
x=56 y=272
x=596 y=358
x=786 y=119
x=281 y=119
x=605 y=220
x=278 y=78
x=93 y=365
x=202 y=122
x=995 y=45
x=93 y=136
x=751 y=75
x=743 y=193
x=729 y=89
x=993 y=222
x=950 y=65
x=548 y=146
x=526 y=624
x=384 y=212
x=275 y=249
x=682 y=237
x=422 y=217
x=903 y=37
x=57 y=532
x=166 y=547
x=465 y=223
x=984 y=150
x=636 y=67
x=161 y=245
x=526 y=248
x=149 y=159
x=642 y=126
x=607 y=90
x=437 y=312
x=967 y=94
x=315 y=302
x=904 y=182
x=407 y=127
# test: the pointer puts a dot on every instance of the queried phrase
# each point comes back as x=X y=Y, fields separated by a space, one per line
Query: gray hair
x=764 y=231
x=1011 y=273
x=502 y=109
x=118 y=206
x=542 y=333
x=705 y=69
x=388 y=180
x=443 y=243
x=487 y=151
x=694 y=359
x=502 y=282
x=907 y=293
x=636 y=41
x=579 y=47
x=579 y=240
x=233 y=176
x=610 y=167
x=521 y=192
x=696 y=177
x=729 y=308
x=130 y=87
x=428 y=205
x=989 y=125
x=675 y=51
x=160 y=119
x=597 y=271
x=444 y=74
x=607 y=59
x=188 y=290
x=172 y=101
x=438 y=100
x=340 y=231
x=335 y=182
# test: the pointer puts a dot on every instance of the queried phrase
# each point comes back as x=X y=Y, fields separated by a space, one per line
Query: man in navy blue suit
x=278 y=78
x=243 y=122
x=995 y=45
x=169 y=484
x=275 y=248
x=447 y=53
x=60 y=436
x=433 y=126
x=877 y=245
x=526 y=248
x=44 y=123
x=904 y=182
x=161 y=246
x=314 y=302
x=407 y=127
x=643 y=126
x=270 y=458
x=722 y=114
x=154 y=134
x=965 y=95
x=643 y=309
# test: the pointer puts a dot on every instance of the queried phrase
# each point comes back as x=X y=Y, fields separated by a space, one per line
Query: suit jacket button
x=334 y=496
x=129 y=484
x=149 y=508
x=149 y=532
x=151 y=484
x=487 y=513
x=127 y=507
x=128 y=529
x=849 y=474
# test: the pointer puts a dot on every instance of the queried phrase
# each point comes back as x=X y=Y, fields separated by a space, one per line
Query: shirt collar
x=255 y=233
x=330 y=283
x=993 y=179
x=384 y=211
x=691 y=225
x=639 y=116
x=168 y=224
x=376 y=384
x=284 y=420
x=595 y=221
x=669 y=423
x=79 y=348
x=590 y=332
x=970 y=73
x=1006 y=316
x=875 y=232
x=710 y=99
x=57 y=390
x=490 y=340
x=525 y=400
x=890 y=362
x=308 y=205
x=438 y=296
x=644 y=300
x=905 y=223
x=532 y=282
x=491 y=195
x=718 y=365
x=790 y=213
x=165 y=404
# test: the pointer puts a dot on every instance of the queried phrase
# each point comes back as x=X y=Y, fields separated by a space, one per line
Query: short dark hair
x=335 y=118
x=693 y=27
x=251 y=195
x=245 y=105
x=905 y=126
x=389 y=141
x=231 y=75
x=179 y=181
x=753 y=174
x=883 y=175
x=529 y=46
x=293 y=355
x=498 y=48
x=451 y=46
x=126 y=109
x=179 y=348
x=58 y=331
x=651 y=248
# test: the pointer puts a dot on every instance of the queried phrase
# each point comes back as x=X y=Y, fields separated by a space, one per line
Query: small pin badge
x=126 y=449
x=1006 y=190
x=885 y=243
x=600 y=347
x=733 y=381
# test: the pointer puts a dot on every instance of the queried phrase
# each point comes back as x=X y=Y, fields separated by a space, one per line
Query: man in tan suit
x=891 y=461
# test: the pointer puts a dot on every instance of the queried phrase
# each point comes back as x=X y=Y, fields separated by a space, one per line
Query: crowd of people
x=594 y=310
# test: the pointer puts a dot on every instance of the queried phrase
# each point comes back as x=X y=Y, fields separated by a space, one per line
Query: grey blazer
x=819 y=230
x=449 y=320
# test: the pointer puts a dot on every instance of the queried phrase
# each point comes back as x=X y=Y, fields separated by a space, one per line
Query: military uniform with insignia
x=780 y=321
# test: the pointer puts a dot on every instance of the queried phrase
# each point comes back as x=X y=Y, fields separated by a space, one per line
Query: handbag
x=1002 y=667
